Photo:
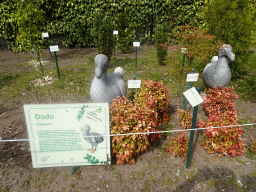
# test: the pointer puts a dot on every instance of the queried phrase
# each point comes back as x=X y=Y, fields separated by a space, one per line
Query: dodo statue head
x=226 y=50
x=101 y=65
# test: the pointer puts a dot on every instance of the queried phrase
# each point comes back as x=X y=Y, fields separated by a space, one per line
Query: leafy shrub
x=199 y=45
x=225 y=140
x=220 y=100
x=126 y=32
x=179 y=146
x=234 y=23
x=148 y=110
x=161 y=37
x=130 y=118
x=186 y=119
x=102 y=32
x=154 y=95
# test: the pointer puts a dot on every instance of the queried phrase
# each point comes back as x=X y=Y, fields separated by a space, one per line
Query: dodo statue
x=217 y=72
x=106 y=87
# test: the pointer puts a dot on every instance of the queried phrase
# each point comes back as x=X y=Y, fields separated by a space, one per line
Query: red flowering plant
x=225 y=140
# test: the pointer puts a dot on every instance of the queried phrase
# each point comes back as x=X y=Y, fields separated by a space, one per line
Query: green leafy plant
x=186 y=119
x=126 y=32
x=102 y=32
x=161 y=37
x=234 y=23
x=225 y=140
x=30 y=22
x=179 y=146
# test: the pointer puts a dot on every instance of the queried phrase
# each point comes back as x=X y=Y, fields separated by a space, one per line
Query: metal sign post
x=189 y=86
x=55 y=48
x=136 y=45
x=198 y=89
x=115 y=32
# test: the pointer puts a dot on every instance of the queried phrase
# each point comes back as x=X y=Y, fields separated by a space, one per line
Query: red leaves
x=150 y=108
x=186 y=119
x=219 y=104
x=178 y=146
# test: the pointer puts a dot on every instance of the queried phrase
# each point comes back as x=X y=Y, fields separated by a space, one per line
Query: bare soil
x=154 y=170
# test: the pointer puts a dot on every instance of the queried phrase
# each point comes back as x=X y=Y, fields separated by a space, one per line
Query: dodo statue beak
x=231 y=57
x=98 y=72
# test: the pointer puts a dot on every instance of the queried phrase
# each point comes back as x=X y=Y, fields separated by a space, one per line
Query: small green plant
x=161 y=37
x=102 y=32
x=126 y=32
x=4 y=189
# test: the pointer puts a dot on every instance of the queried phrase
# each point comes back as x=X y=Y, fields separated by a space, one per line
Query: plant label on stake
x=45 y=35
x=115 y=32
x=183 y=50
x=192 y=77
x=55 y=48
x=134 y=84
x=136 y=45
x=193 y=97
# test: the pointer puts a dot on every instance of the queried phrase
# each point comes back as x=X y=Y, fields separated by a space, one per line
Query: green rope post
x=192 y=132
x=189 y=86
x=55 y=55
x=136 y=56
x=114 y=45
x=134 y=77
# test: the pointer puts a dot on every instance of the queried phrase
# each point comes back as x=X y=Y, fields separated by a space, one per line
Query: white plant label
x=115 y=32
x=192 y=77
x=54 y=48
x=45 y=35
x=134 y=84
x=193 y=97
x=68 y=134
x=183 y=50
x=136 y=44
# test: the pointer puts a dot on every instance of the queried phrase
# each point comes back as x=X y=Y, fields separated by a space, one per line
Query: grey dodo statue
x=217 y=72
x=106 y=87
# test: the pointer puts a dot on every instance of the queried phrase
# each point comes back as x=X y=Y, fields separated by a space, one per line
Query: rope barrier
x=113 y=135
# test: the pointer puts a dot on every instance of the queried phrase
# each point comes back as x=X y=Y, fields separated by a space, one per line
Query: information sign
x=54 y=48
x=134 y=83
x=193 y=97
x=115 y=32
x=45 y=35
x=136 y=44
x=183 y=50
x=192 y=77
x=68 y=134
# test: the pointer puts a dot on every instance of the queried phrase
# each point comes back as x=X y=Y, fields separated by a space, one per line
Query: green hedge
x=74 y=19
